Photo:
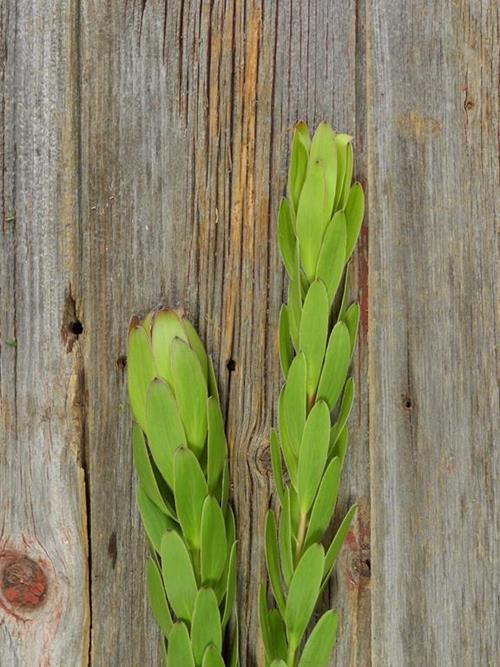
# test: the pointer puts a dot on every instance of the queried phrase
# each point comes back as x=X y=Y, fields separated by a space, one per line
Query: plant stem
x=301 y=534
x=290 y=660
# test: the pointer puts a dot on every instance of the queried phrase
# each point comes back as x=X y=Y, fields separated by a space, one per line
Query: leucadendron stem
x=318 y=226
x=180 y=457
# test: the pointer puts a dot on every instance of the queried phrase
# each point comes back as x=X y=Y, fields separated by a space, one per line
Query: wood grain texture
x=144 y=150
x=186 y=122
x=44 y=607
x=435 y=465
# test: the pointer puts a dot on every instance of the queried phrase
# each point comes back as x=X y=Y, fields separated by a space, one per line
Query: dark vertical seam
x=230 y=194
x=85 y=460
x=270 y=212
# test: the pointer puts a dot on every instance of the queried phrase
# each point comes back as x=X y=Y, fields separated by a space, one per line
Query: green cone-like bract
x=318 y=226
x=180 y=457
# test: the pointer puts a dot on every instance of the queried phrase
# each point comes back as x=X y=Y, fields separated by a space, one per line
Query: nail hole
x=407 y=403
x=76 y=327
x=121 y=362
x=113 y=549
x=231 y=365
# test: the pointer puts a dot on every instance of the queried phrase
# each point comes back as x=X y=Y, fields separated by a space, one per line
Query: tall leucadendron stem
x=180 y=457
x=318 y=226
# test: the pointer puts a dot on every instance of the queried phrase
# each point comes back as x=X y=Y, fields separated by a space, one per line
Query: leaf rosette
x=180 y=457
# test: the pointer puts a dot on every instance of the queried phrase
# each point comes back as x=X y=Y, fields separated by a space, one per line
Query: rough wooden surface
x=44 y=601
x=144 y=153
x=434 y=418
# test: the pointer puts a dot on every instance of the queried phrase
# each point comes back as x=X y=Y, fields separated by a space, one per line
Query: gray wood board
x=435 y=467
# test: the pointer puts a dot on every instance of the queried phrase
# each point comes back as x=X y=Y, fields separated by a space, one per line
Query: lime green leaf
x=287 y=241
x=354 y=212
x=294 y=309
x=291 y=458
x=144 y=469
x=303 y=132
x=337 y=542
x=197 y=346
x=285 y=539
x=191 y=393
x=324 y=504
x=318 y=648
x=230 y=526
x=303 y=592
x=206 y=627
x=298 y=167
x=217 y=444
x=351 y=319
x=337 y=360
x=163 y=427
x=313 y=454
x=278 y=663
x=148 y=321
x=294 y=403
x=276 y=465
x=234 y=659
x=310 y=219
x=140 y=371
x=348 y=176
x=212 y=381
x=156 y=523
x=213 y=541
x=345 y=292
x=157 y=598
x=265 y=626
x=212 y=657
x=278 y=634
x=179 y=647
x=341 y=444
x=190 y=489
x=313 y=332
x=225 y=487
x=163 y=651
x=272 y=561
x=178 y=575
x=324 y=154
x=341 y=148
x=166 y=325
x=230 y=586
x=345 y=409
x=284 y=341
x=332 y=255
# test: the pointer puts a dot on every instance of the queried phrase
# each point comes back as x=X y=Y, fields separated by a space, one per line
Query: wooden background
x=144 y=151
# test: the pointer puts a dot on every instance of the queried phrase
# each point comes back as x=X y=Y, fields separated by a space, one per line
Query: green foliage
x=180 y=456
x=318 y=225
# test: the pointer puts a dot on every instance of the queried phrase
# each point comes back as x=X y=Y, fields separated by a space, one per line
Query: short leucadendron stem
x=318 y=226
x=290 y=659
x=301 y=534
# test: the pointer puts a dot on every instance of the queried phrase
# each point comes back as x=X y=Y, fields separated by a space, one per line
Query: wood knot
x=357 y=543
x=24 y=584
x=263 y=459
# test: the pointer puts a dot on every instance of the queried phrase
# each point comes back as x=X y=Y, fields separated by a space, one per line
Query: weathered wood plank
x=435 y=465
x=185 y=131
x=44 y=607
